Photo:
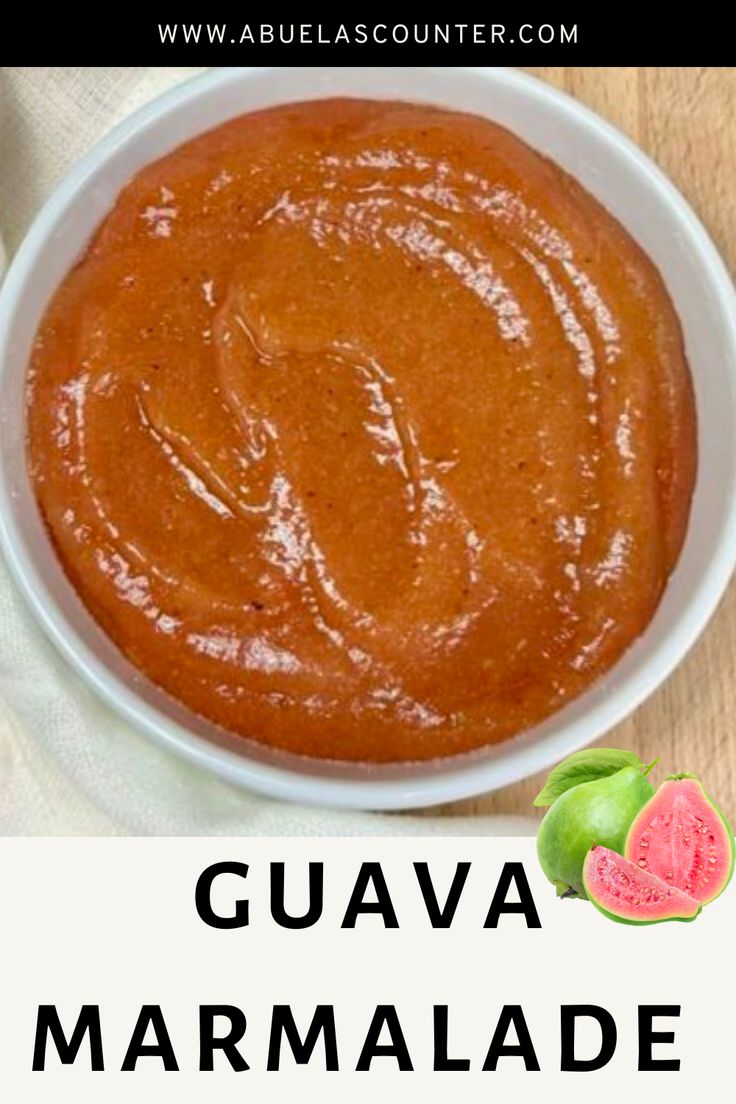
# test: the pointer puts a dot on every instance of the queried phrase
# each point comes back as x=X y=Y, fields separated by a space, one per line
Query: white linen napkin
x=68 y=765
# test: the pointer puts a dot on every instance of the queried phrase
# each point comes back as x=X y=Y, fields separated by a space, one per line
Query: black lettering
x=441 y=1060
x=513 y=872
x=370 y=872
x=203 y=896
x=150 y=1016
x=441 y=917
x=511 y=1014
x=228 y=1044
x=569 y=1015
x=316 y=897
x=647 y=1037
x=48 y=1023
x=385 y=1015
x=282 y=1023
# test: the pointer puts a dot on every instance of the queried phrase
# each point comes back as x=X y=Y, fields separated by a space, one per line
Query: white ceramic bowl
x=628 y=184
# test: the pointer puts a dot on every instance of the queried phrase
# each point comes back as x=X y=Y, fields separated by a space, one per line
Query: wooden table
x=685 y=119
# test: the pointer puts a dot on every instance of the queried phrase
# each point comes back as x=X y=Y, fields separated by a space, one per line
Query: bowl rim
x=453 y=778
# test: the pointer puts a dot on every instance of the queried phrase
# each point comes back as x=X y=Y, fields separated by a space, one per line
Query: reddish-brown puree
x=363 y=430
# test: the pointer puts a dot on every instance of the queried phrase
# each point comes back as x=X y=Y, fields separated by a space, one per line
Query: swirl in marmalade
x=364 y=431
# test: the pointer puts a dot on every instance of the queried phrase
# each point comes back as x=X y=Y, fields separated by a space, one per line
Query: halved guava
x=623 y=892
x=682 y=837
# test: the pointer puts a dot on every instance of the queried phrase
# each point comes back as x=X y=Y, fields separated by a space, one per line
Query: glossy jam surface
x=363 y=430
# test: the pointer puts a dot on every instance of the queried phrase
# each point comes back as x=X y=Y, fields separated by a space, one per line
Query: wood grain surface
x=685 y=119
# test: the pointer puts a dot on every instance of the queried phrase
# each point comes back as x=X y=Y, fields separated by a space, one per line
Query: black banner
x=211 y=34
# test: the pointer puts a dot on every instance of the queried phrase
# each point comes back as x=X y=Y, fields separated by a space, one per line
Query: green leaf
x=584 y=766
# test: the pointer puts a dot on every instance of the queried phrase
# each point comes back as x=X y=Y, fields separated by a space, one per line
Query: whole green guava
x=588 y=815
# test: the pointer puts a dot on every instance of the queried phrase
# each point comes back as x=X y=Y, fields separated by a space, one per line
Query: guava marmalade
x=363 y=430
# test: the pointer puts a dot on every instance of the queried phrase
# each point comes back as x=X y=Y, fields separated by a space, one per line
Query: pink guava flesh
x=681 y=837
x=621 y=889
